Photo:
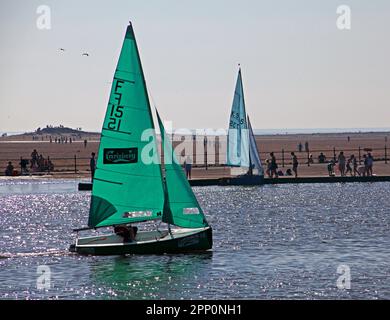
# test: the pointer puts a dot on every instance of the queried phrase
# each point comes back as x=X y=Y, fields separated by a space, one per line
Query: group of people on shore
x=37 y=164
x=352 y=165
x=272 y=167
x=346 y=166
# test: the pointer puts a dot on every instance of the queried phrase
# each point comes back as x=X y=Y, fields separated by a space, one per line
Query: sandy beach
x=67 y=157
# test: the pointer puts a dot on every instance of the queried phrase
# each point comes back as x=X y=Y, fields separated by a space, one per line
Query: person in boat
x=127 y=232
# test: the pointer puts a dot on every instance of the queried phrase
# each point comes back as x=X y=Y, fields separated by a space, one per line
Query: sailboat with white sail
x=128 y=190
x=242 y=152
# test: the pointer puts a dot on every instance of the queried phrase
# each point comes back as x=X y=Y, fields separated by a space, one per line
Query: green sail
x=125 y=188
x=181 y=207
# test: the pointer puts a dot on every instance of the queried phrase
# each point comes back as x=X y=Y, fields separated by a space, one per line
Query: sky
x=299 y=70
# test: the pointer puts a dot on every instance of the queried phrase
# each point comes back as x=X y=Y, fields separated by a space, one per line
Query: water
x=270 y=242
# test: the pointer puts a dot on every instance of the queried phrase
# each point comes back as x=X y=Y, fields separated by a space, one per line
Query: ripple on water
x=270 y=242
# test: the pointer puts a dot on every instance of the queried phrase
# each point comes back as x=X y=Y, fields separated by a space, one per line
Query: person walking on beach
x=341 y=160
x=274 y=166
x=307 y=146
x=85 y=143
x=295 y=164
x=300 y=147
x=92 y=165
x=188 y=166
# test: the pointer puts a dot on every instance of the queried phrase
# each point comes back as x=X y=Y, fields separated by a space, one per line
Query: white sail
x=254 y=153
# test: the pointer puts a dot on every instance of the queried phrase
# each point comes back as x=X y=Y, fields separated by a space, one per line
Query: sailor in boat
x=127 y=232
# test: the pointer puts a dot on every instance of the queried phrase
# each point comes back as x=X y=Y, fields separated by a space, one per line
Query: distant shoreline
x=257 y=132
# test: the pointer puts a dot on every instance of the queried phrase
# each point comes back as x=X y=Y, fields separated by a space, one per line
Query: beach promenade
x=72 y=159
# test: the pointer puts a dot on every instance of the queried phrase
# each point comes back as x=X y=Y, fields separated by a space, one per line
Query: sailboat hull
x=155 y=242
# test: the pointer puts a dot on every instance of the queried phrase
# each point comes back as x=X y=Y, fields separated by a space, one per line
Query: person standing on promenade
x=363 y=169
x=34 y=158
x=268 y=170
x=300 y=147
x=274 y=166
x=355 y=165
x=92 y=165
x=341 y=160
x=295 y=164
x=85 y=143
x=370 y=163
x=349 y=168
x=307 y=146
x=188 y=166
x=9 y=171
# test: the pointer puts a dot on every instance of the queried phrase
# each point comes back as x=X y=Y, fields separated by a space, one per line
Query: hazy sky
x=299 y=70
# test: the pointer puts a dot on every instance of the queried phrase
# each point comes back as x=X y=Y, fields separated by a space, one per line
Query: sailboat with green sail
x=242 y=151
x=126 y=188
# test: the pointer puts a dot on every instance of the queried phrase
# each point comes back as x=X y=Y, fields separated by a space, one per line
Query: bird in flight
x=62 y=49
x=85 y=54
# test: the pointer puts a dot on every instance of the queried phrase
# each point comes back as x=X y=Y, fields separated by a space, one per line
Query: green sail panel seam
x=123 y=132
x=138 y=207
x=129 y=72
x=133 y=108
x=127 y=140
x=133 y=174
x=108 y=181
x=125 y=80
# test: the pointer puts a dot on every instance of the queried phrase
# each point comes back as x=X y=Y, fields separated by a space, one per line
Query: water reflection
x=150 y=277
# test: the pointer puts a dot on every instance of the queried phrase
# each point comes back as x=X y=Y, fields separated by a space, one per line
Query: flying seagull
x=62 y=49
x=85 y=54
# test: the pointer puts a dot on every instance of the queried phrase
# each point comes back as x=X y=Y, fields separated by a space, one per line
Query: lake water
x=270 y=242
